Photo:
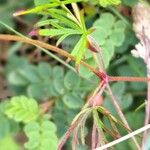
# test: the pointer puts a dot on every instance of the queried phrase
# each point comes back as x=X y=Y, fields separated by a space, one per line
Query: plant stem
x=43 y=45
x=118 y=109
x=62 y=52
x=129 y=79
x=147 y=114
x=67 y=134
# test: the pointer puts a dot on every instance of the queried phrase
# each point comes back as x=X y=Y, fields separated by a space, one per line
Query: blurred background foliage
x=25 y=70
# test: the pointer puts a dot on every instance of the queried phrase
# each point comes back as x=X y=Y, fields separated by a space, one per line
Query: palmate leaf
x=22 y=109
x=64 y=23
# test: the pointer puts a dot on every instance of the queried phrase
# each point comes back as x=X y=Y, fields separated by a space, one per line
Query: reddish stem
x=128 y=79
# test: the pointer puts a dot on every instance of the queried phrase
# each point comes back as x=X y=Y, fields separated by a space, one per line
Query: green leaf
x=63 y=19
x=106 y=3
x=58 y=72
x=72 y=100
x=45 y=70
x=59 y=85
x=56 y=32
x=100 y=35
x=126 y=101
x=79 y=49
x=43 y=7
x=8 y=143
x=71 y=80
x=30 y=73
x=107 y=52
x=109 y=34
x=106 y=21
x=22 y=109
x=84 y=71
x=37 y=91
x=130 y=3
x=52 y=22
x=41 y=136
x=62 y=38
x=118 y=89
x=117 y=37
x=135 y=119
x=39 y=2
x=4 y=126
x=15 y=78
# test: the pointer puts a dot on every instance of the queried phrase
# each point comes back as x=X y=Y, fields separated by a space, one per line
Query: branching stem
x=66 y=54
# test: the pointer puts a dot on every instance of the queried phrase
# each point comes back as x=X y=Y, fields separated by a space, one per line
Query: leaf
x=73 y=101
x=37 y=91
x=130 y=3
x=15 y=78
x=41 y=136
x=44 y=70
x=109 y=34
x=106 y=21
x=118 y=90
x=53 y=22
x=41 y=8
x=80 y=49
x=59 y=85
x=58 y=72
x=30 y=73
x=71 y=80
x=135 y=119
x=126 y=101
x=22 y=109
x=106 y=3
x=39 y=2
x=63 y=19
x=107 y=52
x=100 y=35
x=4 y=126
x=62 y=38
x=117 y=38
x=8 y=143
x=56 y=32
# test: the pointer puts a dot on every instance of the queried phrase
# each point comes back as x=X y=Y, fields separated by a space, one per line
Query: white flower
x=139 y=51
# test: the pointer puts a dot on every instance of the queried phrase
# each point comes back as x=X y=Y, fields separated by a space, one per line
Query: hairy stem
x=121 y=113
x=129 y=79
x=66 y=54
